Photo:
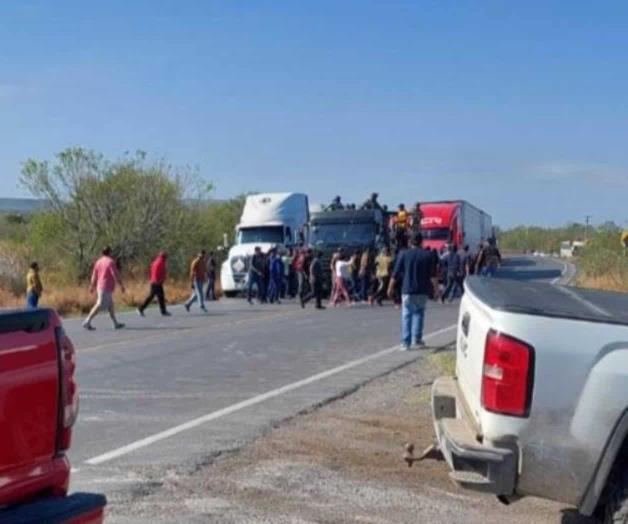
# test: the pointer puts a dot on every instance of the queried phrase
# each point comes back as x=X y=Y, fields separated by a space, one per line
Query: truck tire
x=616 y=510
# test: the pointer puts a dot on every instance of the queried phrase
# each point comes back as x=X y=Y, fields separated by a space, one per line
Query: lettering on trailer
x=431 y=221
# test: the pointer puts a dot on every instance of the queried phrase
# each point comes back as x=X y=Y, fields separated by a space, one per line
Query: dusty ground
x=340 y=463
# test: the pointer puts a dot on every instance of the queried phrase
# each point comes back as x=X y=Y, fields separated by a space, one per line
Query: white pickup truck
x=539 y=404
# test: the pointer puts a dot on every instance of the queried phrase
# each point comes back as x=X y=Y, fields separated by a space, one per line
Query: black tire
x=616 y=508
x=230 y=294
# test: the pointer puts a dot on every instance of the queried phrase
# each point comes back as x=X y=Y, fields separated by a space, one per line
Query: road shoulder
x=338 y=463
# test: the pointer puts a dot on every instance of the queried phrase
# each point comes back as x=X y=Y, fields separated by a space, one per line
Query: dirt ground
x=340 y=463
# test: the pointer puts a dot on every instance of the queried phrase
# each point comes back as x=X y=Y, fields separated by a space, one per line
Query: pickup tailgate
x=474 y=324
x=29 y=397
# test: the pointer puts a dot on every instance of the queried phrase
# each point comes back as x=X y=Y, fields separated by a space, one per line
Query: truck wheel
x=616 y=510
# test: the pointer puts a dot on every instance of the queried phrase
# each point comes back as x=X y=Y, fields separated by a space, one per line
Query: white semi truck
x=268 y=220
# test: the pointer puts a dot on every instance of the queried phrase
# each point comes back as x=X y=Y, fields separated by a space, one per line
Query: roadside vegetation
x=136 y=205
x=602 y=263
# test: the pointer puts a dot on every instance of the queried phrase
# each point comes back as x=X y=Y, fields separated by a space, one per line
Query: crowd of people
x=408 y=275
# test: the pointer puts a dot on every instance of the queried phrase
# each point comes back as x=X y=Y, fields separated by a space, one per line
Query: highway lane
x=167 y=394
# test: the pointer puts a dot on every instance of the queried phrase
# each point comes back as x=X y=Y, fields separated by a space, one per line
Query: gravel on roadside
x=339 y=463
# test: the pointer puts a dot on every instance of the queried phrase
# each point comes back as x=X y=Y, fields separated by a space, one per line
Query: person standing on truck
x=34 y=288
x=336 y=205
x=256 y=272
x=105 y=277
x=402 y=221
x=371 y=202
x=158 y=275
x=416 y=273
x=210 y=294
x=198 y=276
x=383 y=263
x=316 y=282
x=417 y=216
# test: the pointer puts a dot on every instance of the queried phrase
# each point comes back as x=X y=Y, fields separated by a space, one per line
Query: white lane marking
x=124 y=450
x=593 y=307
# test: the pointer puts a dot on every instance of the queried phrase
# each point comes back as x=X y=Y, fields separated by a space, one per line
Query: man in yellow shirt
x=401 y=228
x=34 y=289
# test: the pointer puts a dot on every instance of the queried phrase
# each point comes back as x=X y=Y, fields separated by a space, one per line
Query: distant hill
x=21 y=205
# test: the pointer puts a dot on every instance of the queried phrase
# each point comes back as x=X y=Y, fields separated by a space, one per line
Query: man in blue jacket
x=415 y=271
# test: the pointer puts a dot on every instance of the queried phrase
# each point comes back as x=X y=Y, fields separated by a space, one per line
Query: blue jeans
x=274 y=289
x=210 y=294
x=257 y=281
x=197 y=294
x=489 y=271
x=32 y=300
x=412 y=316
x=365 y=282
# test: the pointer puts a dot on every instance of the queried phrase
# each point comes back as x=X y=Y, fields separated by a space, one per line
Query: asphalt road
x=167 y=395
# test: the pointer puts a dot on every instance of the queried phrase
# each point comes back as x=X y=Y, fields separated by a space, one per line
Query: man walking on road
x=452 y=266
x=364 y=274
x=158 y=274
x=256 y=274
x=416 y=272
x=383 y=263
x=198 y=275
x=276 y=277
x=489 y=259
x=316 y=282
x=105 y=276
x=210 y=295
x=301 y=266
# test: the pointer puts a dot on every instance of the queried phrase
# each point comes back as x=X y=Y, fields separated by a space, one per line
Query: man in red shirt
x=158 y=275
x=104 y=279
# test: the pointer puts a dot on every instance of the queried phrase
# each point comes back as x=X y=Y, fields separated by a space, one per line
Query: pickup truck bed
x=539 y=403
x=38 y=407
x=535 y=298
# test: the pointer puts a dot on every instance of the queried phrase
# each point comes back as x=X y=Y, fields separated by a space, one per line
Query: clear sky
x=518 y=107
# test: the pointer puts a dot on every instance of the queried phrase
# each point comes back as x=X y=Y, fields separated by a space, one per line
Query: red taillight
x=507 y=375
x=68 y=395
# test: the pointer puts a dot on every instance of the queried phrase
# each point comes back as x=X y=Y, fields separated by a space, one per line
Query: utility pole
x=586 y=227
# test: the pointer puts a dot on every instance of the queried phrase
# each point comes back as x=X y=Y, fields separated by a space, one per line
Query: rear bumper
x=474 y=465
x=79 y=508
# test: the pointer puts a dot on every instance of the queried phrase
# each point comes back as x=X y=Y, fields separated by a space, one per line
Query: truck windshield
x=342 y=234
x=266 y=235
x=438 y=233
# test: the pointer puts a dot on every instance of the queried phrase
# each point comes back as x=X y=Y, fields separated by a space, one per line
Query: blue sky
x=518 y=107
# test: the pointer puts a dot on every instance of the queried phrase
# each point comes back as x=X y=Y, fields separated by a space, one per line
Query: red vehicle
x=456 y=222
x=38 y=407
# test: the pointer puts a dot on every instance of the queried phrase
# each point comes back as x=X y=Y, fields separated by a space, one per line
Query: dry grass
x=607 y=282
x=70 y=299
